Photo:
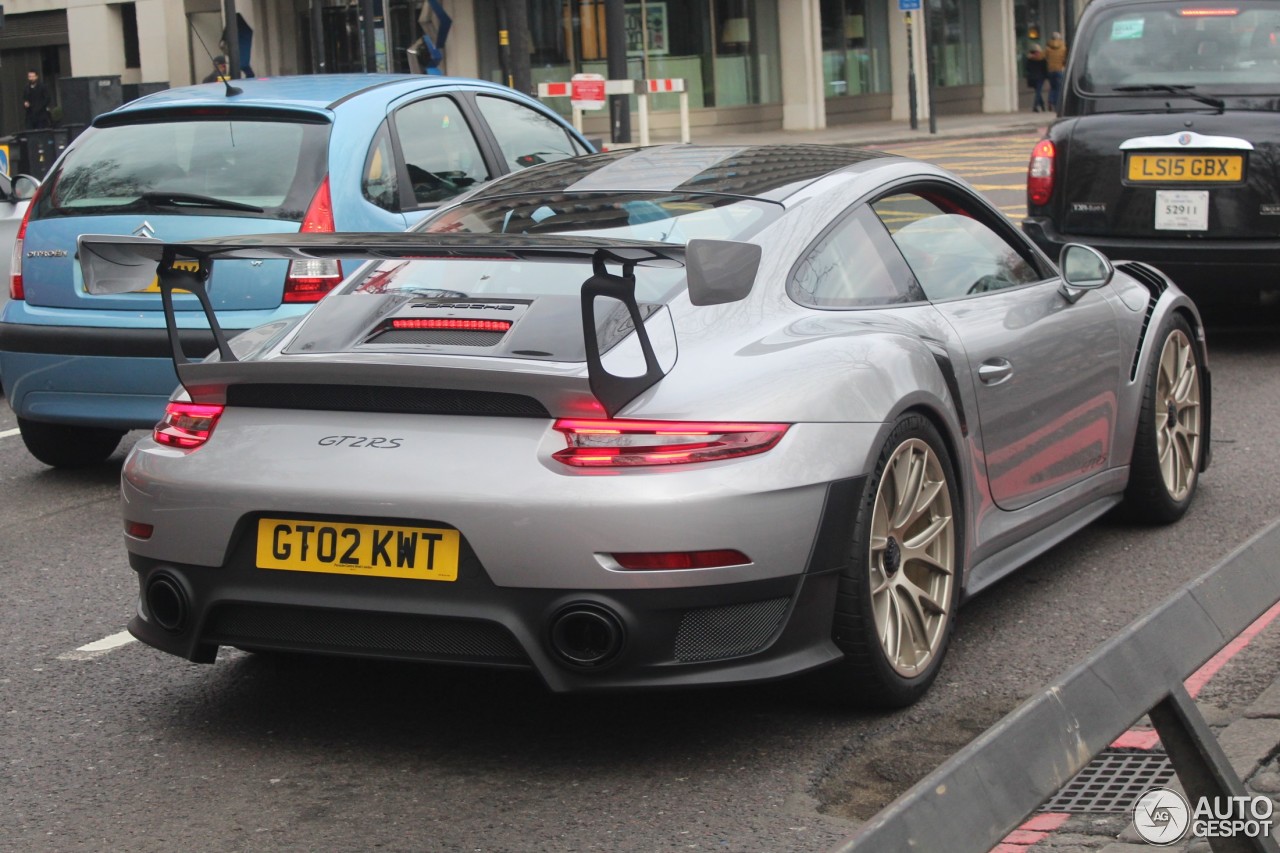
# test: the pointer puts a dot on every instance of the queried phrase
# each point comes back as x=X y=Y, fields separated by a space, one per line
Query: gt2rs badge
x=375 y=441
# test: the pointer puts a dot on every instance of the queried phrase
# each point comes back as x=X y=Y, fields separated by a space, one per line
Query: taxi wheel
x=897 y=601
x=66 y=446
x=1167 y=450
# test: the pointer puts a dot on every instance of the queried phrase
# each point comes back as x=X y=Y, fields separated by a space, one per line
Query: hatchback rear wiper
x=1186 y=91
x=194 y=200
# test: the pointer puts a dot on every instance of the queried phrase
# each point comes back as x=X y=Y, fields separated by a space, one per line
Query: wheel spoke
x=926 y=537
x=909 y=485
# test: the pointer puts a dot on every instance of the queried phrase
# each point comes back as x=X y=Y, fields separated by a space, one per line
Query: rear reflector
x=626 y=443
x=450 y=323
x=186 y=425
x=666 y=560
x=138 y=530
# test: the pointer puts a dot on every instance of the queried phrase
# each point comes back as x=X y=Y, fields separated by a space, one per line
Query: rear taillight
x=310 y=280
x=16 y=290
x=627 y=444
x=669 y=560
x=1040 y=173
x=187 y=425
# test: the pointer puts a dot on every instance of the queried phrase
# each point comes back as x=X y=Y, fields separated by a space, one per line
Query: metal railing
x=985 y=791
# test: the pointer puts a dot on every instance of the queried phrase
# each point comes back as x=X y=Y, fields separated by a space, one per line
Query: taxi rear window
x=1208 y=46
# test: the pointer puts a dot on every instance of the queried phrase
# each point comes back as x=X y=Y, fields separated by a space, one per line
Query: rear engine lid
x=1173 y=176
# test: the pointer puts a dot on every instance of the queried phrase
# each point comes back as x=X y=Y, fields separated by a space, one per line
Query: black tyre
x=897 y=601
x=65 y=446
x=1167 y=450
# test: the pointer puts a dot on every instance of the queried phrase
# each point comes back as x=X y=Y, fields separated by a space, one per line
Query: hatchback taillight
x=309 y=280
x=628 y=444
x=16 y=290
x=1040 y=173
x=187 y=425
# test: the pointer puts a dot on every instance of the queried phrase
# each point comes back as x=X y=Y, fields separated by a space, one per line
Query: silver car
x=669 y=416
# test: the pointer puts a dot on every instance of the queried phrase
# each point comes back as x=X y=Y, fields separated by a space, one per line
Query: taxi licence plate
x=376 y=550
x=1177 y=168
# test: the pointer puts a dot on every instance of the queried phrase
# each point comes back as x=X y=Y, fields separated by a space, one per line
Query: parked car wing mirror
x=24 y=187
x=720 y=271
x=1083 y=268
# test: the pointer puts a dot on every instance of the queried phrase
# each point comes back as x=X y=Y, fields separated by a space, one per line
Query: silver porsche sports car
x=668 y=416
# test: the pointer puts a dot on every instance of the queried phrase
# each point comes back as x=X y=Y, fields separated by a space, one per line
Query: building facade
x=748 y=64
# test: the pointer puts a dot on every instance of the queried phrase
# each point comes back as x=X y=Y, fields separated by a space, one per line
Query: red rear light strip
x=187 y=425
x=627 y=443
x=1208 y=13
x=449 y=323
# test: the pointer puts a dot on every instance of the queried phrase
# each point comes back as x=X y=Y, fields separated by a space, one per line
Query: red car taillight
x=627 y=444
x=1040 y=173
x=310 y=280
x=16 y=290
x=187 y=425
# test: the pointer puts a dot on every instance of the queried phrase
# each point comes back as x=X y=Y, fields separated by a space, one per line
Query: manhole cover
x=1111 y=783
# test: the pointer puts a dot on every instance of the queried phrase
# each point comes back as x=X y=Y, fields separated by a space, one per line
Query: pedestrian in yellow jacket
x=1055 y=56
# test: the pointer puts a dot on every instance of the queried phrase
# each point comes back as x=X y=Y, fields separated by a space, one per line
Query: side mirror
x=720 y=271
x=24 y=187
x=1083 y=268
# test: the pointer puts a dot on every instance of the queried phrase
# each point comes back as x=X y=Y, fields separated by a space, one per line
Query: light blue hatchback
x=342 y=152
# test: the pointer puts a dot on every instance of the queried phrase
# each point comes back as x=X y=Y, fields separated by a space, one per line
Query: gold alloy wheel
x=1178 y=415
x=912 y=557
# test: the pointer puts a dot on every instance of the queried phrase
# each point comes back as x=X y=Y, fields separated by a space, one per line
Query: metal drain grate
x=1111 y=783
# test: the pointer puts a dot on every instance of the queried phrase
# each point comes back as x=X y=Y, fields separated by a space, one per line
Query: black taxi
x=1167 y=148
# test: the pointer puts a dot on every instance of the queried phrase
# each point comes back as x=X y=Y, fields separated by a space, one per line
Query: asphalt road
x=129 y=749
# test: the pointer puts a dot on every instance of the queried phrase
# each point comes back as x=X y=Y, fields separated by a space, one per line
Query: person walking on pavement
x=1036 y=70
x=1055 y=56
x=219 y=74
x=35 y=101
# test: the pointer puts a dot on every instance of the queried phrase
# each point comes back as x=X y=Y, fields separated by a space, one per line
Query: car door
x=439 y=154
x=1045 y=371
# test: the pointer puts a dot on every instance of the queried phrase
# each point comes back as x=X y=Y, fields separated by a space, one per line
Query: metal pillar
x=615 y=19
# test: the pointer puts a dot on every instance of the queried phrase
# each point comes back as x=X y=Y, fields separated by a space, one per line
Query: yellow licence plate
x=189 y=266
x=377 y=550
x=1178 y=168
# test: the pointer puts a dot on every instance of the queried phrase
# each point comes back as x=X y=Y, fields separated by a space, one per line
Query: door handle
x=994 y=371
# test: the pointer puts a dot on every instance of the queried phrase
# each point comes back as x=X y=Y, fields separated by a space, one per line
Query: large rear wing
x=718 y=272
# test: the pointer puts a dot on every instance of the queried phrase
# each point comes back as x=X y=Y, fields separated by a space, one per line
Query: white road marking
x=99 y=647
x=8 y=432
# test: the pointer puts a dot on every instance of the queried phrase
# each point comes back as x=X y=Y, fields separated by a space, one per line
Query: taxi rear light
x=667 y=560
x=635 y=443
x=187 y=425
x=1208 y=13
x=1040 y=173
x=16 y=290
x=309 y=280
x=451 y=323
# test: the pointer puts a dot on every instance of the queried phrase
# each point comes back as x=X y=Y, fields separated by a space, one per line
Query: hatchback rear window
x=1220 y=47
x=211 y=166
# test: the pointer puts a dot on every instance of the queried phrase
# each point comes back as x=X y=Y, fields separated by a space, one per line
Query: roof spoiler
x=718 y=272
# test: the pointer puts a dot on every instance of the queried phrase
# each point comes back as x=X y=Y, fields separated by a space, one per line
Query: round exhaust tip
x=167 y=603
x=586 y=636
